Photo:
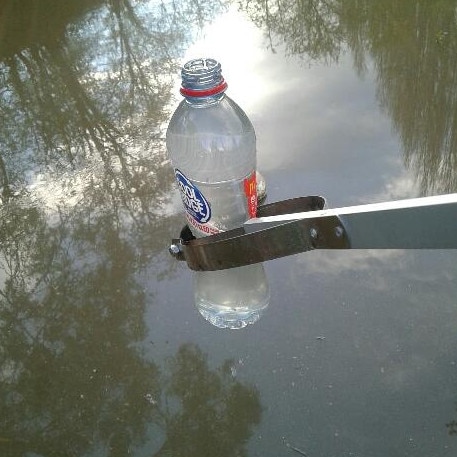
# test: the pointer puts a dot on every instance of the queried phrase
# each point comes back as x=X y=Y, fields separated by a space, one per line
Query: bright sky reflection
x=238 y=45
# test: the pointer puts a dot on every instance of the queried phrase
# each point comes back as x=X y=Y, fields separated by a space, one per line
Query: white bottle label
x=197 y=207
x=198 y=210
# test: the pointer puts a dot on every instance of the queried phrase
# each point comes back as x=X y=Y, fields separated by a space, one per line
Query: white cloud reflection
x=237 y=44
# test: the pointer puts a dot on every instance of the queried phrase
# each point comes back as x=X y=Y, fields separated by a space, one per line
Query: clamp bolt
x=339 y=231
x=174 y=250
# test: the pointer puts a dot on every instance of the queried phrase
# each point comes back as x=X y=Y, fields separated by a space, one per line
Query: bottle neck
x=202 y=82
x=202 y=102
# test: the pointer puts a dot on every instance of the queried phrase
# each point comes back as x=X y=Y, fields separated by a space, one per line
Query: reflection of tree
x=452 y=427
x=413 y=45
x=82 y=105
x=80 y=89
x=52 y=106
x=215 y=413
x=85 y=102
x=72 y=375
x=308 y=28
x=417 y=80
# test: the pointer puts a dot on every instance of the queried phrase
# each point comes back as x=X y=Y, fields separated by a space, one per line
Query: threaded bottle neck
x=202 y=78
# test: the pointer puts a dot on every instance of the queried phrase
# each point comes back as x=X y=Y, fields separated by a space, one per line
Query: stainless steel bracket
x=239 y=247
x=302 y=224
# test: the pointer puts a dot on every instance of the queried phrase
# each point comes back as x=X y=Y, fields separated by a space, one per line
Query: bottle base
x=232 y=298
x=231 y=318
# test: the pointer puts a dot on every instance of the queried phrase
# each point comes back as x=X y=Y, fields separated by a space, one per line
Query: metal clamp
x=235 y=248
x=301 y=224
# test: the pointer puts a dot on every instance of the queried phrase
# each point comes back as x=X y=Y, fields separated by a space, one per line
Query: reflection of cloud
x=67 y=187
x=334 y=263
x=339 y=123
x=398 y=374
x=402 y=186
x=399 y=187
x=240 y=56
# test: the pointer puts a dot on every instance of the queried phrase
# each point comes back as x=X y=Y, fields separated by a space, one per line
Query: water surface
x=101 y=349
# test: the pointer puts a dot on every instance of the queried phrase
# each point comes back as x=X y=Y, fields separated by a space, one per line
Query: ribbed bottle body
x=213 y=150
x=212 y=147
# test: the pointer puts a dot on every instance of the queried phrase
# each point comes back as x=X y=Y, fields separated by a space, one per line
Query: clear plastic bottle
x=212 y=146
x=232 y=298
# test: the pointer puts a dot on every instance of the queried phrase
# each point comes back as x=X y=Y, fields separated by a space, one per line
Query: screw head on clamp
x=339 y=231
x=174 y=250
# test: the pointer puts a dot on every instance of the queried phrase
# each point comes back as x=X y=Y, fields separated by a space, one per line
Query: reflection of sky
x=387 y=318
x=356 y=354
x=320 y=131
x=240 y=56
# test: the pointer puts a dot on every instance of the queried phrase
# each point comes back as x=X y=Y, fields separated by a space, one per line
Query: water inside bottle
x=230 y=211
x=232 y=298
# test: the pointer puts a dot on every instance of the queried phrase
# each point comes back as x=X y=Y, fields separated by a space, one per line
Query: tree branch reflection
x=412 y=44
x=308 y=28
x=83 y=185
x=72 y=371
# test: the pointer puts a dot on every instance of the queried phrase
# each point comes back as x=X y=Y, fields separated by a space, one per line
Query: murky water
x=102 y=351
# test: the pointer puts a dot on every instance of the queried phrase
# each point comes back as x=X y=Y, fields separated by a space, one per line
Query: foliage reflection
x=83 y=183
x=412 y=44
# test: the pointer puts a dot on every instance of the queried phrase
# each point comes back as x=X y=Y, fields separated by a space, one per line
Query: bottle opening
x=202 y=78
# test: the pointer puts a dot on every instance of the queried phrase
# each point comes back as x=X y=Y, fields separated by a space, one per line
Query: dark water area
x=102 y=351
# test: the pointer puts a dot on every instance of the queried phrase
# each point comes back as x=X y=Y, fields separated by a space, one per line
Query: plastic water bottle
x=212 y=146
x=232 y=298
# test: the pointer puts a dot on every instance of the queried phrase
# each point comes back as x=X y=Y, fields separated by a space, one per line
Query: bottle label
x=193 y=200
x=250 y=190
x=198 y=210
x=203 y=229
